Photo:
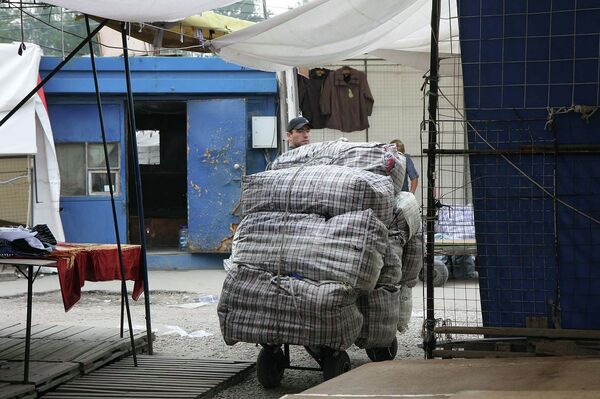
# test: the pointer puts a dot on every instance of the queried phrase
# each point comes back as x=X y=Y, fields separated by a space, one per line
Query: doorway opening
x=162 y=151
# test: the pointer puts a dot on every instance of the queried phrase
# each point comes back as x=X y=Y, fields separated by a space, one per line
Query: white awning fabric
x=329 y=31
x=141 y=10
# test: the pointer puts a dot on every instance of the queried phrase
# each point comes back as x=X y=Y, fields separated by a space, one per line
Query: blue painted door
x=216 y=162
x=86 y=211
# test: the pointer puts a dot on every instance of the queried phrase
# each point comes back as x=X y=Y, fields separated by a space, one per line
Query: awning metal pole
x=124 y=298
x=138 y=184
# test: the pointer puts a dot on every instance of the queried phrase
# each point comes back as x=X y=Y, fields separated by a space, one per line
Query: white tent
x=329 y=31
x=318 y=33
x=28 y=132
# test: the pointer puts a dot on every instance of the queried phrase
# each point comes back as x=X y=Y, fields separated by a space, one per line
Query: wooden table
x=28 y=264
x=455 y=247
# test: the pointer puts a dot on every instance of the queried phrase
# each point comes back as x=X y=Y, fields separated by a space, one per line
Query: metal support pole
x=429 y=339
x=28 y=326
x=138 y=185
x=124 y=298
x=264 y=6
x=51 y=74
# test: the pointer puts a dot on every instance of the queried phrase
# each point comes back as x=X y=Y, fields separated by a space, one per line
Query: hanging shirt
x=347 y=99
x=309 y=94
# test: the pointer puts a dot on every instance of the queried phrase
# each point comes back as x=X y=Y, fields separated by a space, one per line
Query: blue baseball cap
x=297 y=123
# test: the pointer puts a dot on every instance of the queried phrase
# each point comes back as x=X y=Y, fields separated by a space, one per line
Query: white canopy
x=141 y=10
x=328 y=31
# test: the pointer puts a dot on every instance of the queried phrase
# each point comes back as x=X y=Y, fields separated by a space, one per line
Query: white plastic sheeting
x=28 y=131
x=141 y=10
x=329 y=31
x=46 y=206
x=18 y=76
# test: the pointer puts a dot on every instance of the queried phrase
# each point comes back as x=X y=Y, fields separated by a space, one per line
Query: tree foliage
x=250 y=10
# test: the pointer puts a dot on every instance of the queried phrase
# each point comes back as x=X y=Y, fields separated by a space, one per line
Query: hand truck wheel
x=440 y=274
x=270 y=366
x=335 y=363
x=383 y=353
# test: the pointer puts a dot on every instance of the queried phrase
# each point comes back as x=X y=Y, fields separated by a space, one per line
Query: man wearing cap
x=298 y=132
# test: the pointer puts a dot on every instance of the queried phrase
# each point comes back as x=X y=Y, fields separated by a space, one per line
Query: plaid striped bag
x=259 y=307
x=391 y=273
x=347 y=248
x=405 y=310
x=326 y=190
x=382 y=159
x=412 y=260
x=380 y=309
x=407 y=217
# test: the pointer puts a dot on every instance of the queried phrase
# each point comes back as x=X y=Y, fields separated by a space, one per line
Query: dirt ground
x=98 y=308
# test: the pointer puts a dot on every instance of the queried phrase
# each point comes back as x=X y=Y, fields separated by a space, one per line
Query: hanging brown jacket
x=347 y=99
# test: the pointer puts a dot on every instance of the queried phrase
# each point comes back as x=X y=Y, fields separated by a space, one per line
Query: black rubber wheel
x=382 y=354
x=335 y=363
x=270 y=366
x=440 y=274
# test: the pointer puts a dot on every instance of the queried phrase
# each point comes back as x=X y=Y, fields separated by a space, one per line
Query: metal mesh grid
x=15 y=184
x=516 y=142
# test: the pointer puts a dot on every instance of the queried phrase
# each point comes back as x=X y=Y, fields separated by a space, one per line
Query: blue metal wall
x=519 y=59
x=89 y=218
x=195 y=80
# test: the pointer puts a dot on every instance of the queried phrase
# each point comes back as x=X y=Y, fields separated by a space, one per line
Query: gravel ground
x=102 y=309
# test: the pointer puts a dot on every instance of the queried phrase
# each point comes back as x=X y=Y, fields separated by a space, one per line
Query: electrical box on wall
x=264 y=132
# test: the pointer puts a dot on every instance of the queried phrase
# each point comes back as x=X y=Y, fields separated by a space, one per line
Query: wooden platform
x=10 y=391
x=155 y=377
x=523 y=378
x=59 y=353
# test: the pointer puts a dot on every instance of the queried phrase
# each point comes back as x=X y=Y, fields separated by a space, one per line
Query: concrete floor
x=205 y=281
x=531 y=378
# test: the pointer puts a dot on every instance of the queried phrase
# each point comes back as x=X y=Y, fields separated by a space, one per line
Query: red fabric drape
x=78 y=263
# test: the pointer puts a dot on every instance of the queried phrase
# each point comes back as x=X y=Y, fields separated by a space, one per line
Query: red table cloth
x=78 y=263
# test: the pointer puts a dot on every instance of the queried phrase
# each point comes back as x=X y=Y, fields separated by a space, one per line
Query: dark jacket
x=347 y=99
x=309 y=95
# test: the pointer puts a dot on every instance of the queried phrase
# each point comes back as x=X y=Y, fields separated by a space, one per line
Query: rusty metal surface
x=216 y=163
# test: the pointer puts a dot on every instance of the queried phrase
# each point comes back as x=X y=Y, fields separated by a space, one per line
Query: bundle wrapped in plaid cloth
x=412 y=260
x=347 y=248
x=326 y=190
x=382 y=159
x=391 y=272
x=405 y=311
x=259 y=307
x=380 y=309
x=407 y=218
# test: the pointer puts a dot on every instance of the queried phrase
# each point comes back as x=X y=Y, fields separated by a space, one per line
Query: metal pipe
x=429 y=339
x=28 y=325
x=138 y=186
x=124 y=298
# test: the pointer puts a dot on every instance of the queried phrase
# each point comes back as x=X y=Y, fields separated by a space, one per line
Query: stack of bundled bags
x=326 y=245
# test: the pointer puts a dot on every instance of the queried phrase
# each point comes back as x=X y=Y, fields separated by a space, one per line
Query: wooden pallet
x=43 y=375
x=517 y=342
x=17 y=391
x=155 y=377
x=60 y=353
